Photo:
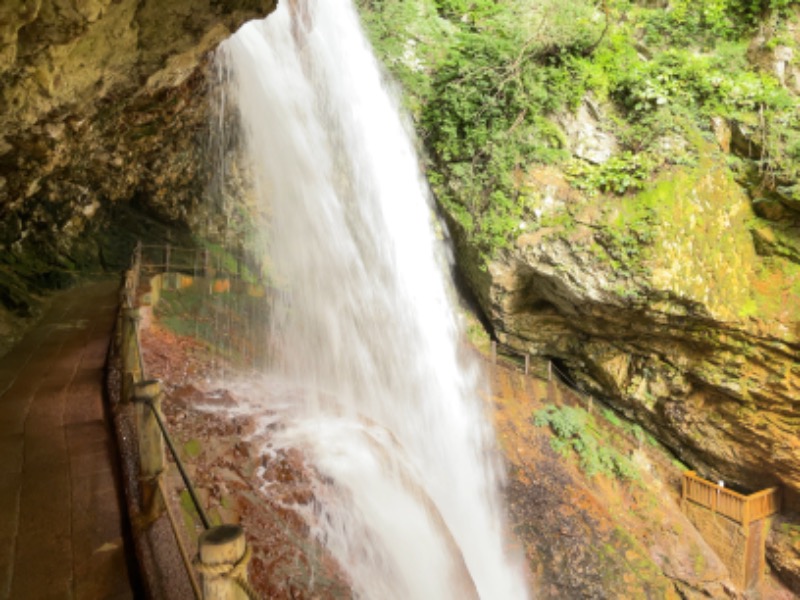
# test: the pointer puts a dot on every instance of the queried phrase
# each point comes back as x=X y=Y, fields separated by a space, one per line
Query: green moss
x=699 y=561
x=687 y=233
x=188 y=510
x=629 y=566
x=792 y=530
x=215 y=517
x=192 y=448
x=477 y=334
x=748 y=309
x=611 y=417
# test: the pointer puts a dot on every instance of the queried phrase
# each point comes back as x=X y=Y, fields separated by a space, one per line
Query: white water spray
x=389 y=412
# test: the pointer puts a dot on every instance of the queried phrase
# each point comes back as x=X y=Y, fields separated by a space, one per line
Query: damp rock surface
x=601 y=535
x=236 y=482
x=691 y=331
x=101 y=137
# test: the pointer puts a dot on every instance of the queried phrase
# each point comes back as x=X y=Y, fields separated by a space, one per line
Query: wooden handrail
x=693 y=475
x=765 y=492
x=738 y=507
x=152 y=434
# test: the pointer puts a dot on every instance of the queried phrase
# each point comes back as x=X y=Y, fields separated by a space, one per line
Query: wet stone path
x=61 y=533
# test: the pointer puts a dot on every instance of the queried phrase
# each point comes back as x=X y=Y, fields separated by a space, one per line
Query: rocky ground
x=222 y=455
x=602 y=536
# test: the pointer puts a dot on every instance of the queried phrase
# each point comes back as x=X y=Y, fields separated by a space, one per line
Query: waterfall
x=385 y=407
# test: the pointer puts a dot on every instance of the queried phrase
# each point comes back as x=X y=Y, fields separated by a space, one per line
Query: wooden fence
x=743 y=509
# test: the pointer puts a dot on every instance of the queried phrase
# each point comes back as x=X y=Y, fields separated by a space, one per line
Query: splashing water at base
x=387 y=411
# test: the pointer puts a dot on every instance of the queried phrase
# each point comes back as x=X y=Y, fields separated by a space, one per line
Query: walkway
x=60 y=524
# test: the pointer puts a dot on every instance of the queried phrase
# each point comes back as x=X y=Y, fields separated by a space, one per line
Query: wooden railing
x=222 y=550
x=737 y=507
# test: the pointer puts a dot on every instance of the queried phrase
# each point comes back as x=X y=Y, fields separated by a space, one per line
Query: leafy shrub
x=483 y=80
x=623 y=173
x=480 y=80
x=612 y=417
x=576 y=431
x=686 y=22
x=484 y=124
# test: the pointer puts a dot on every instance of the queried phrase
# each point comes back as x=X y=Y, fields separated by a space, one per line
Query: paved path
x=60 y=525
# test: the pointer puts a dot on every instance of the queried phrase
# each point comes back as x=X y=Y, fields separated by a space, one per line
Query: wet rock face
x=783 y=551
x=103 y=105
x=671 y=314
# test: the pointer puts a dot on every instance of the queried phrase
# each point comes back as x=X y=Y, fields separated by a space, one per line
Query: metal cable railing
x=223 y=554
x=510 y=352
x=181 y=468
x=163 y=258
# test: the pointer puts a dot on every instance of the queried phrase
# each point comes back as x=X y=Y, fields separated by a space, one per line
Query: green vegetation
x=629 y=428
x=193 y=448
x=191 y=518
x=577 y=431
x=229 y=321
x=791 y=530
x=711 y=20
x=487 y=84
x=475 y=331
x=698 y=561
x=622 y=173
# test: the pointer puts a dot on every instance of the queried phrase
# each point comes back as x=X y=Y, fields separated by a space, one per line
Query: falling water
x=388 y=411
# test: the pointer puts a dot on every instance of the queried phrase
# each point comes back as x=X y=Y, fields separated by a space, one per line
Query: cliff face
x=102 y=121
x=694 y=334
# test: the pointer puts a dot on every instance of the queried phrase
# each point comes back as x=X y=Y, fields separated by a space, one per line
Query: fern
x=576 y=431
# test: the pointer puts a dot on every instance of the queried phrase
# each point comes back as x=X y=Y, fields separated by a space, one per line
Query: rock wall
x=102 y=126
x=663 y=304
x=783 y=551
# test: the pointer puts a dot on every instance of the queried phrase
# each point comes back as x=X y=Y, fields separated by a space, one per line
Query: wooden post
x=549 y=370
x=494 y=352
x=129 y=350
x=167 y=255
x=129 y=289
x=148 y=397
x=123 y=303
x=223 y=561
x=527 y=363
x=206 y=261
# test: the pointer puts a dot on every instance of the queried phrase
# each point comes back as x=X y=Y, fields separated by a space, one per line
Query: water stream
x=385 y=406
